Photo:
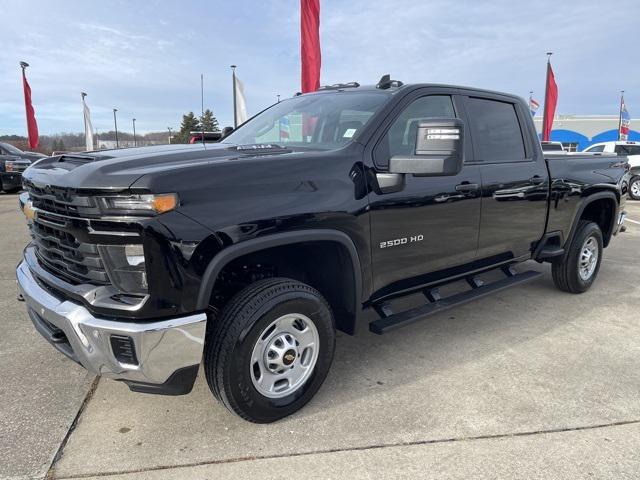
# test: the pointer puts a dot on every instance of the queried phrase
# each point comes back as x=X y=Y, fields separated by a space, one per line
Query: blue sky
x=145 y=58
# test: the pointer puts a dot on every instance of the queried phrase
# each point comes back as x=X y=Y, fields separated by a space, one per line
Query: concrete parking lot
x=527 y=383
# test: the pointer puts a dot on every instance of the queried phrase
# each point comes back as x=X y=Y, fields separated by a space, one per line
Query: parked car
x=553 y=147
x=629 y=149
x=248 y=255
x=13 y=162
x=209 y=137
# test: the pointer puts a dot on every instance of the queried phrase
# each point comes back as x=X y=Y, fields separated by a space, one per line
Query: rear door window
x=496 y=131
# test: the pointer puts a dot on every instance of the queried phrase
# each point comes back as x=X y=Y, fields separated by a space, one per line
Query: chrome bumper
x=163 y=349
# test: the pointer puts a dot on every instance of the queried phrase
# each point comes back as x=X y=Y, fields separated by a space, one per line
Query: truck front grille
x=62 y=201
x=58 y=251
x=62 y=255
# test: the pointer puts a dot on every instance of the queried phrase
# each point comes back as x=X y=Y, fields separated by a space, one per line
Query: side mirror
x=226 y=131
x=439 y=149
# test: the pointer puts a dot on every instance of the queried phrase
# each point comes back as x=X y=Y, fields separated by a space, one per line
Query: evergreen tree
x=208 y=122
x=190 y=123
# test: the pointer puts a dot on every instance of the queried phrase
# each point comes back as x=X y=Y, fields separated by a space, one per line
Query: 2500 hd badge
x=401 y=241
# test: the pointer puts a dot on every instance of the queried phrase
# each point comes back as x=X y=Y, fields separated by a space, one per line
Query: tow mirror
x=439 y=149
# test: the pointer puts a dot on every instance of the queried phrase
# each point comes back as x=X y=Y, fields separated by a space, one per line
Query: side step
x=391 y=321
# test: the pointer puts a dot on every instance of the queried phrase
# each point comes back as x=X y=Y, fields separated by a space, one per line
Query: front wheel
x=634 y=188
x=270 y=350
x=578 y=268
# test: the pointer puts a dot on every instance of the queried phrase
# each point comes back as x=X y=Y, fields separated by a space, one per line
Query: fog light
x=125 y=267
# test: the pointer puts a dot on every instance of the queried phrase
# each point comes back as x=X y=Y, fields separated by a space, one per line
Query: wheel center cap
x=288 y=357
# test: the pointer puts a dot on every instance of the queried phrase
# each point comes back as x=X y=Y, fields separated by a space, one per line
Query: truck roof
x=393 y=89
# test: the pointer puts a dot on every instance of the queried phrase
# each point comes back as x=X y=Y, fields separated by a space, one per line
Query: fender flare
x=232 y=252
x=610 y=194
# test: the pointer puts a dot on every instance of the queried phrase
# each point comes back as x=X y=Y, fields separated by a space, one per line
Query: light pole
x=278 y=95
x=169 y=128
x=115 y=124
x=135 y=142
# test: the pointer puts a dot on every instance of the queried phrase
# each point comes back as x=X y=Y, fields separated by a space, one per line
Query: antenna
x=386 y=82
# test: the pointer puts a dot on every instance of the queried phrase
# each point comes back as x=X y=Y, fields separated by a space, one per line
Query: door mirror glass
x=439 y=149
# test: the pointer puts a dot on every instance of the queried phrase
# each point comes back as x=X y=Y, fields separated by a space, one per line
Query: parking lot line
x=633 y=221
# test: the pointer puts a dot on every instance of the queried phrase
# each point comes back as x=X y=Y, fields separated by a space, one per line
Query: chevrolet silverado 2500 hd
x=247 y=255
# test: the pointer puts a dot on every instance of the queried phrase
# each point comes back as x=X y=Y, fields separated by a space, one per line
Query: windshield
x=324 y=122
x=11 y=149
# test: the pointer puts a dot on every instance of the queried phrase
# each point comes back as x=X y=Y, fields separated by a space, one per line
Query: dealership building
x=577 y=132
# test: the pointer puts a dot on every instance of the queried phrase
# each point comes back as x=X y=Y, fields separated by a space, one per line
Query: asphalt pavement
x=527 y=383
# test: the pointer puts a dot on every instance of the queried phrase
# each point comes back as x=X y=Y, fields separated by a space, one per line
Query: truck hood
x=118 y=169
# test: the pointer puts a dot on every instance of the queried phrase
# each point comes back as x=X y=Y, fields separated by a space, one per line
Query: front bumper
x=167 y=352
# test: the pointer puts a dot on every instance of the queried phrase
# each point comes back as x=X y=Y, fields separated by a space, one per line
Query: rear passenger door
x=513 y=174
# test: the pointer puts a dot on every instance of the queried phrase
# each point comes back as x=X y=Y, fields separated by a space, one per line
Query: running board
x=391 y=321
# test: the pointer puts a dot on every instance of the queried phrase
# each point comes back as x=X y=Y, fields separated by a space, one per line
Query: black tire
x=634 y=184
x=232 y=336
x=565 y=270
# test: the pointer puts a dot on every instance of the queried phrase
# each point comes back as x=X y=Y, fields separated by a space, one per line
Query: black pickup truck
x=13 y=162
x=247 y=255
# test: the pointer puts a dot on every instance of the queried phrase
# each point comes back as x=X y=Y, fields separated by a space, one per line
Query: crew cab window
x=497 y=136
x=400 y=139
x=597 y=148
x=627 y=149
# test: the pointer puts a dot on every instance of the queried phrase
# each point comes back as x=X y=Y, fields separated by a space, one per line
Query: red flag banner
x=32 y=126
x=310 y=44
x=550 y=102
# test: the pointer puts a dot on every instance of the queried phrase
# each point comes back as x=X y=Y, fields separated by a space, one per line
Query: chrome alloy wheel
x=285 y=355
x=635 y=188
x=588 y=258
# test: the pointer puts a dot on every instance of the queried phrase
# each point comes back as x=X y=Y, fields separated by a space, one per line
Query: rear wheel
x=634 y=188
x=578 y=268
x=270 y=350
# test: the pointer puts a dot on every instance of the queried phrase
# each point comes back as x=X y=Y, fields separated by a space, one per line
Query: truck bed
x=575 y=176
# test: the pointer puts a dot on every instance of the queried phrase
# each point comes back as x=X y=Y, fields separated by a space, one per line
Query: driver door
x=431 y=224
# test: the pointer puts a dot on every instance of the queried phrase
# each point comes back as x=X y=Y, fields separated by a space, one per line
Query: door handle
x=536 y=180
x=466 y=187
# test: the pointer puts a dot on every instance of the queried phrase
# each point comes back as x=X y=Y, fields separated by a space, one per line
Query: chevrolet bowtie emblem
x=29 y=211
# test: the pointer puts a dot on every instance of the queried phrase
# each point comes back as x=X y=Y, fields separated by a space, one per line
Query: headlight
x=8 y=166
x=139 y=204
x=125 y=267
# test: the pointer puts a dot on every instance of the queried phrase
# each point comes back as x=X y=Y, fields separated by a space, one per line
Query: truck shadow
x=368 y=365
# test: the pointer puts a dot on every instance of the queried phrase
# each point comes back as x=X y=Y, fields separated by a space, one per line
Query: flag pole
x=84 y=117
x=546 y=93
x=620 y=114
x=202 y=104
x=235 y=112
x=115 y=124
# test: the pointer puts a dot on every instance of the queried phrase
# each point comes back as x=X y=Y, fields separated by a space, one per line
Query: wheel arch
x=591 y=209
x=346 y=292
